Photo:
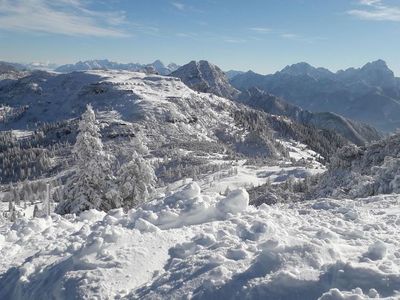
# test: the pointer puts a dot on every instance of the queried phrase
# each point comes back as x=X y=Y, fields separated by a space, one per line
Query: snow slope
x=191 y=245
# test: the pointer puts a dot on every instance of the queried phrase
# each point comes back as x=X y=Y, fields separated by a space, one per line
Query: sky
x=259 y=35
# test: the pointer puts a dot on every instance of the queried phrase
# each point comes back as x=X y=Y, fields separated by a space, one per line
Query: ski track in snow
x=192 y=245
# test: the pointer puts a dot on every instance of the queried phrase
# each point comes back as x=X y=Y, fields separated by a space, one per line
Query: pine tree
x=88 y=186
x=46 y=201
x=36 y=211
x=16 y=197
x=227 y=191
x=136 y=181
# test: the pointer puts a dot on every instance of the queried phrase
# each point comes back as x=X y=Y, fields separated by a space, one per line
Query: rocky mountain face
x=205 y=77
x=157 y=66
x=356 y=132
x=370 y=94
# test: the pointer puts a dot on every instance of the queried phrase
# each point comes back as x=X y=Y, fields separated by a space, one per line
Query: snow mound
x=191 y=245
x=188 y=206
x=235 y=202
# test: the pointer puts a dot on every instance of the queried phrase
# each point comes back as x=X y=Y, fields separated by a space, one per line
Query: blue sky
x=262 y=35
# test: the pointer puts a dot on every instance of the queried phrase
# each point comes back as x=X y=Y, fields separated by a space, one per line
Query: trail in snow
x=192 y=245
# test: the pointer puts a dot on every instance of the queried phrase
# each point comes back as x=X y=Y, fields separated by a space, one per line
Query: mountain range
x=104 y=64
x=369 y=94
x=372 y=83
x=205 y=77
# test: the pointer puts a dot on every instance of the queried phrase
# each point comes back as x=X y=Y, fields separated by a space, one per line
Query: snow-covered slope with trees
x=363 y=171
x=163 y=111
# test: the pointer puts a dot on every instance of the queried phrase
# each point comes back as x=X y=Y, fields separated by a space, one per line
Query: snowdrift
x=191 y=245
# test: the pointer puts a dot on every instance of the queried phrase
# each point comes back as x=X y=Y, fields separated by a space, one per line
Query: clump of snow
x=376 y=251
x=192 y=245
x=356 y=294
x=188 y=192
x=235 y=202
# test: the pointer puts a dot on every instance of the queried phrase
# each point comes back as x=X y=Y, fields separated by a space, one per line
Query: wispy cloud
x=66 y=17
x=290 y=36
x=261 y=29
x=185 y=8
x=234 y=40
x=376 y=10
x=300 y=38
x=191 y=35
x=178 y=5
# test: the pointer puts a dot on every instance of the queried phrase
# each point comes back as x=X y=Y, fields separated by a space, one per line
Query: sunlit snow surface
x=191 y=245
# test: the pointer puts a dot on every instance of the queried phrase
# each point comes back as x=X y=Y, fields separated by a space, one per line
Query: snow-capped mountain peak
x=205 y=77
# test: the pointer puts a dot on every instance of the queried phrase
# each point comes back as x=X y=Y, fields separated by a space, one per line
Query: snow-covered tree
x=87 y=188
x=36 y=212
x=46 y=205
x=136 y=181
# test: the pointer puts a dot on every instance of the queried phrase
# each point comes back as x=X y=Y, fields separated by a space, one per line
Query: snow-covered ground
x=247 y=176
x=21 y=134
x=192 y=245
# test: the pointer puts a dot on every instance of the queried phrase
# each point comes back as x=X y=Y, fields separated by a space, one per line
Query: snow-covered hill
x=187 y=133
x=162 y=108
x=196 y=245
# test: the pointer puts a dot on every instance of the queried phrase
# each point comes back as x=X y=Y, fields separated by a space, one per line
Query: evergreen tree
x=36 y=211
x=46 y=201
x=88 y=186
x=136 y=181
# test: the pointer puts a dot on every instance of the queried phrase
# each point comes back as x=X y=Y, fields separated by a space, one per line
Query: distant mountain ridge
x=104 y=64
x=11 y=71
x=369 y=94
x=357 y=133
x=232 y=73
x=205 y=77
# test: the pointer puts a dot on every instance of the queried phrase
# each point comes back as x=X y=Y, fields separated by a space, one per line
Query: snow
x=235 y=202
x=191 y=244
x=199 y=239
x=21 y=134
x=252 y=176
